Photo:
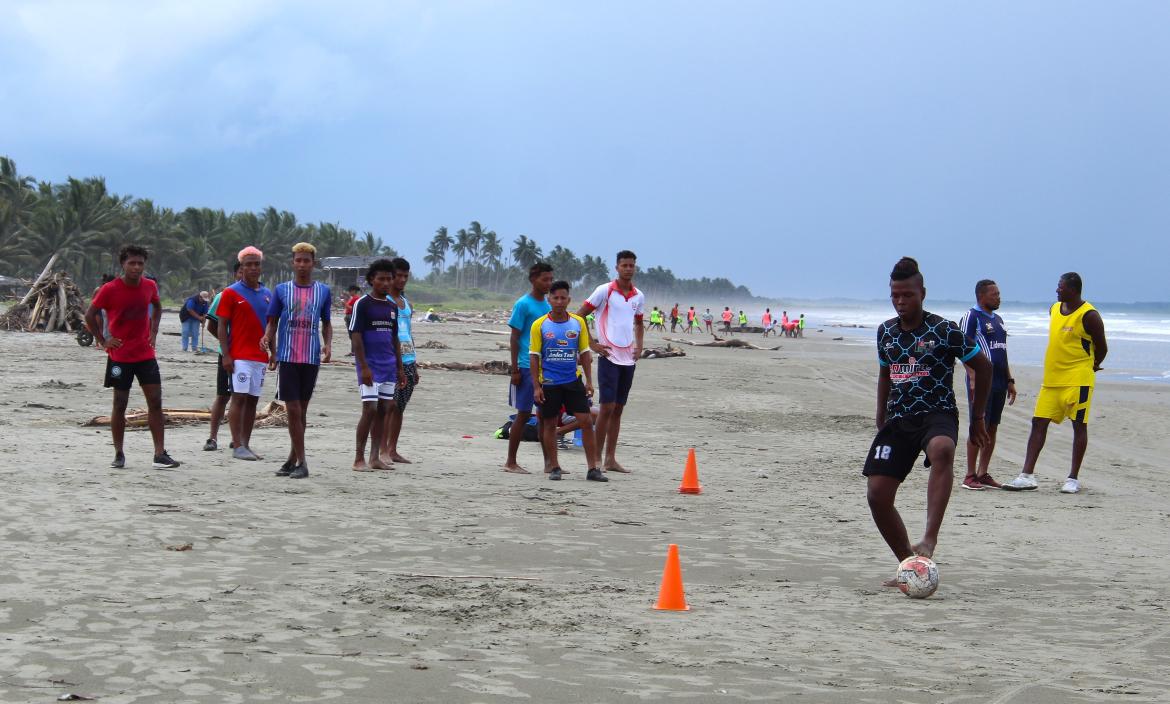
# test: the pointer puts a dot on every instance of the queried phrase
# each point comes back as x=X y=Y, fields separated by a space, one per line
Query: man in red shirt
x=133 y=325
x=242 y=315
x=354 y=294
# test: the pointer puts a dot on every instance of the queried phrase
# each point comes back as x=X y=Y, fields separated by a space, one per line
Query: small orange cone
x=670 y=594
x=690 y=480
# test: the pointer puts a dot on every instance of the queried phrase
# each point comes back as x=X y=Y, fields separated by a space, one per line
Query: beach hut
x=343 y=272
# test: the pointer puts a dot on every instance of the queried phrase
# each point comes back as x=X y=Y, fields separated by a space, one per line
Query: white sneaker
x=1071 y=486
x=1024 y=482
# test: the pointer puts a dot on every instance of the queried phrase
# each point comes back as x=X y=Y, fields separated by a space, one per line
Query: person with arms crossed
x=1076 y=348
x=373 y=332
x=411 y=377
x=559 y=347
x=242 y=313
x=223 y=380
x=297 y=320
x=619 y=305
x=916 y=410
x=521 y=393
x=983 y=325
x=133 y=312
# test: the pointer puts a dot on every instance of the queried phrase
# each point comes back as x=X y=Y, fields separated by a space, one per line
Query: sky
x=798 y=148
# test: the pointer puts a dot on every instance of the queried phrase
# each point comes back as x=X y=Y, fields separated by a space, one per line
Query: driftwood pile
x=720 y=342
x=54 y=304
x=489 y=367
x=274 y=415
x=663 y=352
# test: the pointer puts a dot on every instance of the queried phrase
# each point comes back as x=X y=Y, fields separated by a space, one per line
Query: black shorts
x=223 y=380
x=121 y=375
x=614 y=381
x=996 y=400
x=571 y=396
x=296 y=381
x=897 y=445
x=402 y=395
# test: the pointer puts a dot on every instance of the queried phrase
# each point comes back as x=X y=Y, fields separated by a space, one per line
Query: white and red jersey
x=617 y=314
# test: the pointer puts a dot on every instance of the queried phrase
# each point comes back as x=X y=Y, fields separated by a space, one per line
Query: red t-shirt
x=128 y=310
x=349 y=304
x=245 y=319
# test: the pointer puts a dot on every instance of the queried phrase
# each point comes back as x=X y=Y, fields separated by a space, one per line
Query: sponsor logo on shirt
x=901 y=373
x=572 y=334
x=923 y=347
x=550 y=336
x=562 y=343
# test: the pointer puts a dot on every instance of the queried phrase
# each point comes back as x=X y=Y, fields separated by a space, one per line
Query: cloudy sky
x=799 y=148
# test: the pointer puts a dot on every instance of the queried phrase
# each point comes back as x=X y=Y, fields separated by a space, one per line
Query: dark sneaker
x=299 y=472
x=555 y=474
x=210 y=445
x=164 y=461
x=988 y=482
x=596 y=475
x=285 y=469
x=972 y=482
x=119 y=461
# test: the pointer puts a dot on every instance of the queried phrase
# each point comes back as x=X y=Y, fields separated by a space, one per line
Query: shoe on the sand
x=164 y=460
x=1071 y=486
x=285 y=469
x=243 y=453
x=299 y=472
x=988 y=482
x=972 y=482
x=596 y=475
x=1024 y=482
x=555 y=474
x=210 y=445
x=119 y=461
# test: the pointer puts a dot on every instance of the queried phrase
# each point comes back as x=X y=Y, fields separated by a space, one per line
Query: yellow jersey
x=1069 y=358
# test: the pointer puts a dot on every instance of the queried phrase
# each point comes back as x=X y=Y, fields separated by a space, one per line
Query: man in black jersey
x=916 y=409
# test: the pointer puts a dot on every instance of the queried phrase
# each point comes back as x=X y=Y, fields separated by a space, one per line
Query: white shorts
x=248 y=377
x=378 y=391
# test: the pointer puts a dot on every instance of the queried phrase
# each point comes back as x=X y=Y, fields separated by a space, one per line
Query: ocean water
x=1138 y=334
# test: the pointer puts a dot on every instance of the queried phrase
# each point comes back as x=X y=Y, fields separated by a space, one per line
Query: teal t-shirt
x=525 y=312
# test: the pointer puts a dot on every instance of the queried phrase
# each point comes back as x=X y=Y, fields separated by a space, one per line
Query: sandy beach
x=299 y=591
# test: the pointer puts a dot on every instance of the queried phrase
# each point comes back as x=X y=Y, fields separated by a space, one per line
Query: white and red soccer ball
x=917 y=577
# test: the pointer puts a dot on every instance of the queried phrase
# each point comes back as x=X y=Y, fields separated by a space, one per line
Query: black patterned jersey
x=922 y=364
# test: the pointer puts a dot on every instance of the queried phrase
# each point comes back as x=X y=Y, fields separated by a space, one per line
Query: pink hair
x=247 y=251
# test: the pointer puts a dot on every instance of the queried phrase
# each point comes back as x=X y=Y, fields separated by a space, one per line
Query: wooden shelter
x=343 y=272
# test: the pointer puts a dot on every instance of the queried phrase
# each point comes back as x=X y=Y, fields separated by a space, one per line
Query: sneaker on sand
x=243 y=453
x=285 y=469
x=1071 y=486
x=163 y=460
x=555 y=474
x=210 y=445
x=119 y=461
x=988 y=482
x=1024 y=482
x=299 y=472
x=562 y=443
x=972 y=482
x=596 y=475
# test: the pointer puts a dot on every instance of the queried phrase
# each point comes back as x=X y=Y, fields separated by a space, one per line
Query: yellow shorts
x=1059 y=402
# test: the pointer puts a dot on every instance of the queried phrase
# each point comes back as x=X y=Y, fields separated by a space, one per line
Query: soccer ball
x=917 y=577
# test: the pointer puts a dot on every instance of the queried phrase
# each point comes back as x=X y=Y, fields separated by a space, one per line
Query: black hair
x=354 y=287
x=379 y=265
x=558 y=285
x=400 y=264
x=537 y=269
x=107 y=278
x=1073 y=280
x=982 y=285
x=235 y=267
x=625 y=254
x=132 y=250
x=906 y=268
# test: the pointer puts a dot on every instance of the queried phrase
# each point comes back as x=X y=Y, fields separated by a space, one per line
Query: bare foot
x=923 y=548
x=361 y=466
x=613 y=466
x=377 y=463
x=515 y=468
x=398 y=459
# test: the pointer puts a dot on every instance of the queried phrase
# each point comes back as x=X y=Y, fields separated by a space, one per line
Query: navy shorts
x=614 y=381
x=296 y=381
x=897 y=445
x=121 y=375
x=521 y=397
x=996 y=400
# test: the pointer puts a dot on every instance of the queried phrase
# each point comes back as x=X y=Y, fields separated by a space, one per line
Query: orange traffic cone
x=690 y=480
x=670 y=594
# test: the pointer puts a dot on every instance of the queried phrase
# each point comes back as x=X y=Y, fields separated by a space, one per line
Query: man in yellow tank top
x=1076 y=348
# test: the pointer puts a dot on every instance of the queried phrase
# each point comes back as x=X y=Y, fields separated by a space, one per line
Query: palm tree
x=435 y=258
x=526 y=252
x=491 y=250
x=18 y=199
x=461 y=248
x=475 y=235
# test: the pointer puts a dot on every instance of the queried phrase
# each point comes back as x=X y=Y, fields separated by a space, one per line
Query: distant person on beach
x=727 y=319
x=299 y=337
x=619 y=305
x=354 y=293
x=132 y=307
x=695 y=325
x=800 y=326
x=526 y=311
x=242 y=312
x=373 y=332
x=691 y=315
x=743 y=321
x=916 y=409
x=223 y=380
x=674 y=317
x=409 y=362
x=784 y=324
x=983 y=325
x=559 y=348
x=766 y=321
x=106 y=278
x=1076 y=348
x=192 y=316
x=708 y=319
x=656 y=320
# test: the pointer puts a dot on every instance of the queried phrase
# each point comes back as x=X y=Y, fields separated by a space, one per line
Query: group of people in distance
x=917 y=411
x=793 y=327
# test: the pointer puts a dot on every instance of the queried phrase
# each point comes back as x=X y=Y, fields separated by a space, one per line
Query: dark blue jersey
x=922 y=364
x=988 y=331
